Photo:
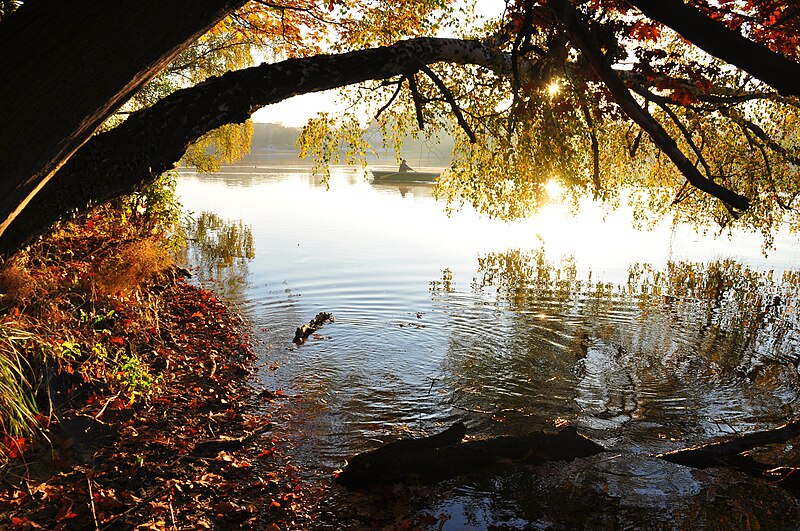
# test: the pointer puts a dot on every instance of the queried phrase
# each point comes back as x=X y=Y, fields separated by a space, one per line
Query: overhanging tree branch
x=583 y=40
x=150 y=141
x=724 y=43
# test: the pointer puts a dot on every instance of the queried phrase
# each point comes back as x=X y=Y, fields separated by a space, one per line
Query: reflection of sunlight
x=386 y=229
x=554 y=189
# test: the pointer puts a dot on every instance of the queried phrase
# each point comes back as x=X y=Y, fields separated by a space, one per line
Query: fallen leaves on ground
x=146 y=476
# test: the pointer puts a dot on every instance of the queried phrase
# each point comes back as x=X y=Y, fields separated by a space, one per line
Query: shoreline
x=139 y=465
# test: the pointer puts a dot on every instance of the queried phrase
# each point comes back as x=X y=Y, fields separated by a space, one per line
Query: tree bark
x=150 y=141
x=724 y=43
x=67 y=66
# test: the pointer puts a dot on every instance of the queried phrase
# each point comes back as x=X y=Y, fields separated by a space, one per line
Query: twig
x=147 y=500
x=91 y=502
x=394 y=96
x=308 y=11
x=103 y=409
x=172 y=510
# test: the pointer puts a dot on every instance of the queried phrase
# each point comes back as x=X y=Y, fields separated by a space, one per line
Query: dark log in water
x=302 y=333
x=713 y=454
x=443 y=455
x=729 y=454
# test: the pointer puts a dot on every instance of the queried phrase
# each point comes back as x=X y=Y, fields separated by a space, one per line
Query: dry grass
x=132 y=265
x=16 y=284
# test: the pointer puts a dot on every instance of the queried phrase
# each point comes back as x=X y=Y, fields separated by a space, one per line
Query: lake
x=644 y=341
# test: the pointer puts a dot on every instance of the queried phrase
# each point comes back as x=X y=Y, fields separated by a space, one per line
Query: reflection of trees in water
x=690 y=343
x=220 y=251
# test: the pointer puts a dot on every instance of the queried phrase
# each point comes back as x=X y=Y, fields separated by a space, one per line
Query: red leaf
x=65 y=512
x=16 y=446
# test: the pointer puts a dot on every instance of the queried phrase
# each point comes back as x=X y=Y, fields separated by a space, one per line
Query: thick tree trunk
x=66 y=66
x=724 y=43
x=152 y=140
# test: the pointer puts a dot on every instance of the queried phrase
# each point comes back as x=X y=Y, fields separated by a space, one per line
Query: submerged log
x=730 y=454
x=714 y=454
x=443 y=455
x=302 y=333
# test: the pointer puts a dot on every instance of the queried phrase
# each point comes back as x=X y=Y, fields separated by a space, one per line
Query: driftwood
x=302 y=333
x=212 y=447
x=443 y=455
x=729 y=454
x=714 y=454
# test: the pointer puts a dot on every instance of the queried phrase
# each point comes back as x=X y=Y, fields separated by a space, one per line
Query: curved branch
x=394 y=96
x=583 y=40
x=150 y=141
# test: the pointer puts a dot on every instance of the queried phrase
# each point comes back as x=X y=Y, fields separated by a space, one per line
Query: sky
x=296 y=111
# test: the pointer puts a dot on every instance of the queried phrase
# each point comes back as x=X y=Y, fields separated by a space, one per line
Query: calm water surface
x=510 y=328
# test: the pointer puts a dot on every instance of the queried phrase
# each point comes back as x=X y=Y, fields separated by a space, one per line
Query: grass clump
x=17 y=401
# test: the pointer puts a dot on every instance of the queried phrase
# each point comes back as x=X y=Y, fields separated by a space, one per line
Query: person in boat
x=404 y=167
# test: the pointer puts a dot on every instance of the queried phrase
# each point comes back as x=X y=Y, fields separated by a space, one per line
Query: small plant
x=134 y=377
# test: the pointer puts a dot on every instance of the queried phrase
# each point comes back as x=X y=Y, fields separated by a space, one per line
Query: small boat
x=390 y=176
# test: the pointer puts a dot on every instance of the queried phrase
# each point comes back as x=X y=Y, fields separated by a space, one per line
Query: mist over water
x=645 y=341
